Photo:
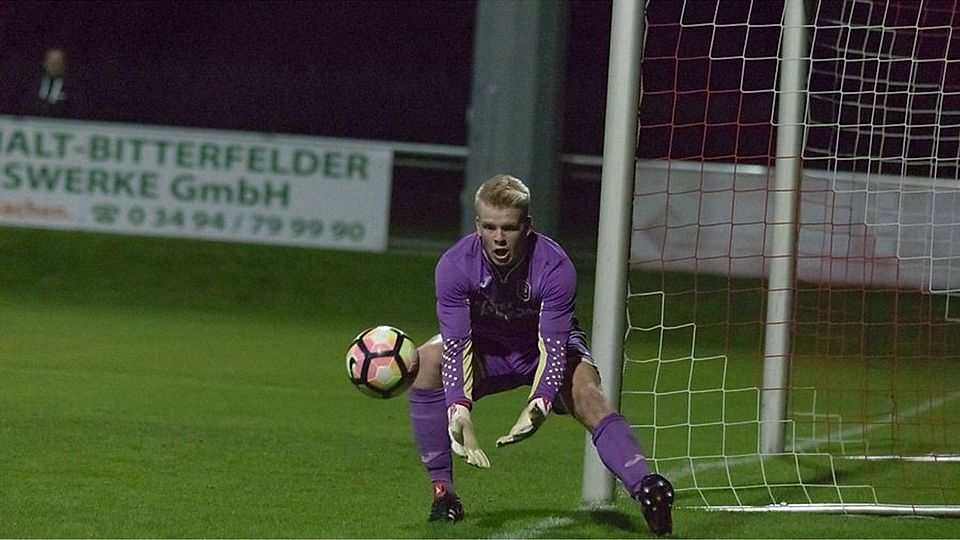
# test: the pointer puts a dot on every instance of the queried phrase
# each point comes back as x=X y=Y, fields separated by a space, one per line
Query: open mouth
x=501 y=253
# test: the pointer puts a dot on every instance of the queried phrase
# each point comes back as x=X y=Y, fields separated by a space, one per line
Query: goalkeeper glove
x=463 y=438
x=531 y=418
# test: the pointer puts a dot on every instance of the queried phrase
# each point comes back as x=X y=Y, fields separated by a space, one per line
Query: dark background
x=401 y=71
x=388 y=70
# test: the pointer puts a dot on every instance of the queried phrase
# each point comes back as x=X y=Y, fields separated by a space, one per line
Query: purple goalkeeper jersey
x=524 y=314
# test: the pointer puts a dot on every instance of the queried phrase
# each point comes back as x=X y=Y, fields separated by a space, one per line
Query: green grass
x=163 y=388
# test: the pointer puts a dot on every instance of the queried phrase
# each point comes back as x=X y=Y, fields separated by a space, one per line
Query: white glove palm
x=531 y=418
x=463 y=438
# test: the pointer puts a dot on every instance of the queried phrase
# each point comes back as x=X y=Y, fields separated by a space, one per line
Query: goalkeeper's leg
x=428 y=417
x=616 y=444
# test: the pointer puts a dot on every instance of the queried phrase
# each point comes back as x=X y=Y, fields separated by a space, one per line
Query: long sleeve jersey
x=525 y=313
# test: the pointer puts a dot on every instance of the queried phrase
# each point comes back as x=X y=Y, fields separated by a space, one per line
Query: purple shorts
x=498 y=370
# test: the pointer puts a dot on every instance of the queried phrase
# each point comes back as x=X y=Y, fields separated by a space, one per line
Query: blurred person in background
x=54 y=94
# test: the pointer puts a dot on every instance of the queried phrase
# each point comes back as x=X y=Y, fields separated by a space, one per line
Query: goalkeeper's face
x=504 y=232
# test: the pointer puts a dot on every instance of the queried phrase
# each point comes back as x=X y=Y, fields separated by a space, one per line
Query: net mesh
x=874 y=397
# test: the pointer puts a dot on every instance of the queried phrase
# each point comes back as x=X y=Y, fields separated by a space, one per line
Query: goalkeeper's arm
x=556 y=321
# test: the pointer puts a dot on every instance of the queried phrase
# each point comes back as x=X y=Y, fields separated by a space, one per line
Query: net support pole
x=515 y=117
x=613 y=249
x=791 y=100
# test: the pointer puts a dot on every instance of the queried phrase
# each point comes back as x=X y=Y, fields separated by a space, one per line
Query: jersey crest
x=523 y=290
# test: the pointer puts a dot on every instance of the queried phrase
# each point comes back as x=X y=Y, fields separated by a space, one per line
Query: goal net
x=871 y=421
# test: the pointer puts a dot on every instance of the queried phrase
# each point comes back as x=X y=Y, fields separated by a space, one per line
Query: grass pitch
x=164 y=388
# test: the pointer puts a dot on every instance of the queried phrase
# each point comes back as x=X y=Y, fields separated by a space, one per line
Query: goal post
x=791 y=106
x=613 y=249
x=790 y=316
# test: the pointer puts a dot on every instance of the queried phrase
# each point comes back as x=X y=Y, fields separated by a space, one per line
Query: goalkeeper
x=505 y=303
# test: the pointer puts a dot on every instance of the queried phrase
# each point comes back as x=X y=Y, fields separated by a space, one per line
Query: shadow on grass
x=539 y=523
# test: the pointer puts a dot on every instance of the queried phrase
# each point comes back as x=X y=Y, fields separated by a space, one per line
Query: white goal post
x=778 y=268
x=616 y=196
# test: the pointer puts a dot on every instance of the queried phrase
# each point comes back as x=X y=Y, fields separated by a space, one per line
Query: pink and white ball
x=382 y=362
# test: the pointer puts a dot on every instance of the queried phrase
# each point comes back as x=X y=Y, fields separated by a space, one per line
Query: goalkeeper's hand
x=463 y=438
x=531 y=418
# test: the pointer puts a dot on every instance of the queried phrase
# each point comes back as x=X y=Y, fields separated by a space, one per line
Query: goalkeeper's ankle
x=442 y=488
x=446 y=506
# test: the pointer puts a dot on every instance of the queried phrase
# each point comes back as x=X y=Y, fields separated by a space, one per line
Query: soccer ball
x=382 y=362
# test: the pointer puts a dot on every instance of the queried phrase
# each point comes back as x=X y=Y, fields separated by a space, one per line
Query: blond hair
x=504 y=191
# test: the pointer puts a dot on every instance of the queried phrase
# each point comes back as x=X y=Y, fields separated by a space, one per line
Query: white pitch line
x=537 y=528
